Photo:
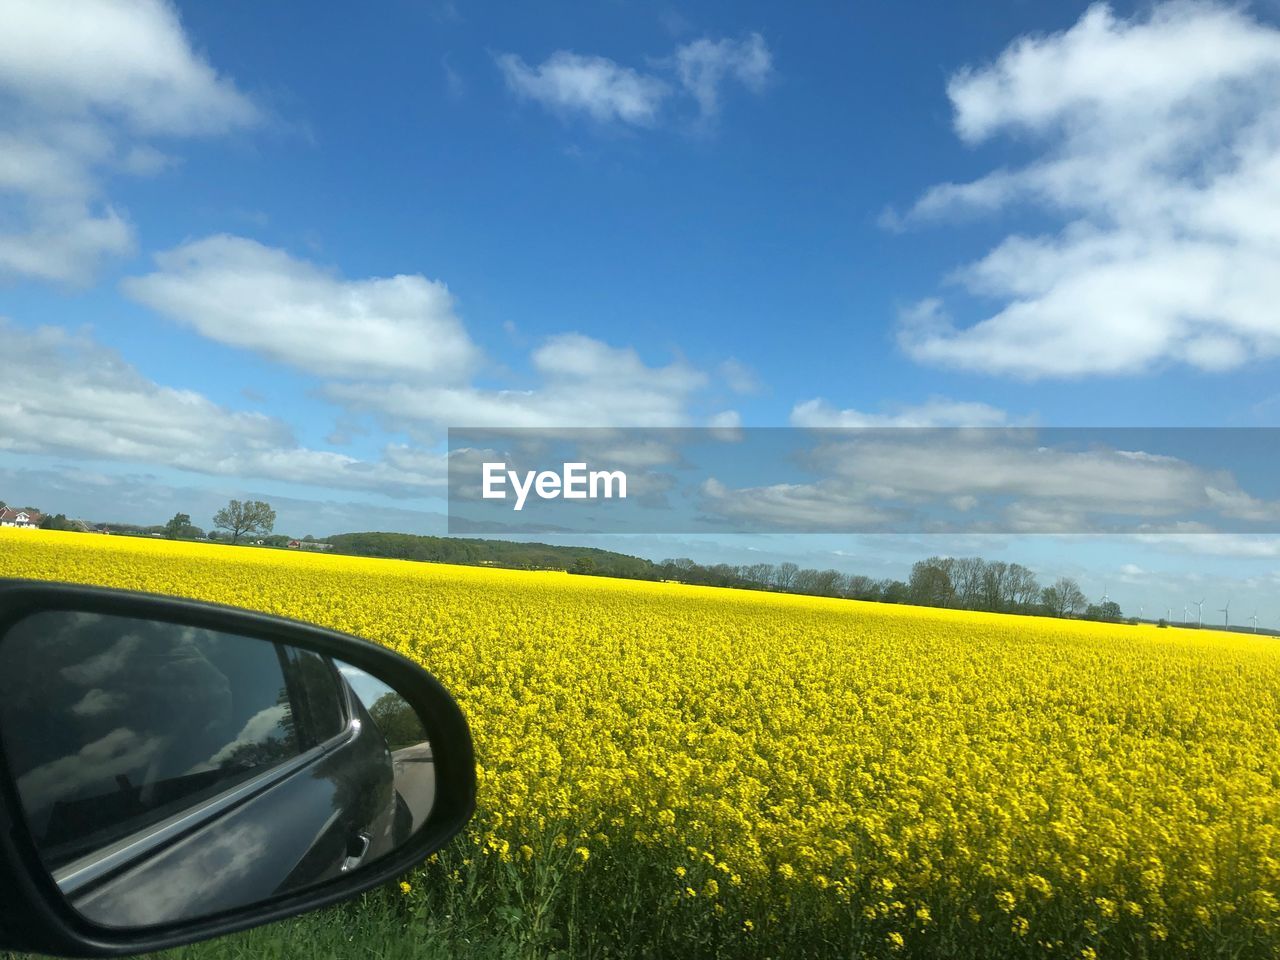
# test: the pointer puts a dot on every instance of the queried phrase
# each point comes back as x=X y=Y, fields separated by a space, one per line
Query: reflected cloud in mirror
x=168 y=772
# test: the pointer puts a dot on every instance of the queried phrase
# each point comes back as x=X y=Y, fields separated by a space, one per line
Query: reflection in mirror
x=168 y=772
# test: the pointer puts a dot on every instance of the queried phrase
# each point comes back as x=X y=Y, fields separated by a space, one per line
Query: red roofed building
x=16 y=517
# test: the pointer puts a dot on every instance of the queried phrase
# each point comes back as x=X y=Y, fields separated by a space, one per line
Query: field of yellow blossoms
x=688 y=771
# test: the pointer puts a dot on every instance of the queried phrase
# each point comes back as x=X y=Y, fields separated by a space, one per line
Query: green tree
x=241 y=517
x=398 y=721
x=583 y=565
x=57 y=521
x=181 y=526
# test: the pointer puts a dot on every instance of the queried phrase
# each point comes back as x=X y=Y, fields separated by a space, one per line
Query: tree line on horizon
x=960 y=583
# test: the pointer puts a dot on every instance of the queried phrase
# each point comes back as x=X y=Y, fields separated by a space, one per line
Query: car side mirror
x=172 y=771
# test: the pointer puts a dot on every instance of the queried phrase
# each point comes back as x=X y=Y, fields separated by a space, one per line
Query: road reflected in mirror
x=168 y=772
x=412 y=763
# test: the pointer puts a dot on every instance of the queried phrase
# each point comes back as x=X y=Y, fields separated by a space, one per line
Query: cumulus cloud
x=936 y=412
x=62 y=393
x=84 y=86
x=1004 y=479
x=825 y=506
x=583 y=383
x=238 y=292
x=704 y=65
x=1235 y=545
x=596 y=86
x=608 y=92
x=1156 y=147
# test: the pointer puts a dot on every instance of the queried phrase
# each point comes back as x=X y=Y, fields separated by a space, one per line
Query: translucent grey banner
x=873 y=480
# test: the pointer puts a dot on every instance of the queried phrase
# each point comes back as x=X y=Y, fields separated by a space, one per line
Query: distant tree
x=1063 y=598
x=1023 y=588
x=967 y=576
x=180 y=527
x=806 y=581
x=995 y=586
x=57 y=521
x=1103 y=611
x=583 y=565
x=859 y=587
x=930 y=583
x=829 y=583
x=784 y=576
x=248 y=517
x=1051 y=601
x=894 y=591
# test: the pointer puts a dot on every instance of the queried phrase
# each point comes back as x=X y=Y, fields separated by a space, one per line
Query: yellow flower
x=405 y=887
x=895 y=940
x=815 y=721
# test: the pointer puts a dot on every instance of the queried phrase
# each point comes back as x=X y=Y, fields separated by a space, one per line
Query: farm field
x=685 y=771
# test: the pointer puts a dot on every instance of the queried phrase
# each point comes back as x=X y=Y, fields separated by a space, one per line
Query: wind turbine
x=1105 y=598
x=1226 y=614
x=1199 y=612
x=1168 y=614
x=1185 y=613
x=1254 y=621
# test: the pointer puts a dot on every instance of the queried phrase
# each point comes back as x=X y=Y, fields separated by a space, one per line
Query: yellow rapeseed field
x=788 y=763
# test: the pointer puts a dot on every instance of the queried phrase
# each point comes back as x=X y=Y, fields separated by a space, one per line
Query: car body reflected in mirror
x=168 y=772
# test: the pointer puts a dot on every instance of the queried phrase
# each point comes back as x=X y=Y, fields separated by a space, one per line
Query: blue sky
x=252 y=251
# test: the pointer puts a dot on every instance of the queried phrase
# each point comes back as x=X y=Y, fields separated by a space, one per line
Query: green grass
x=470 y=906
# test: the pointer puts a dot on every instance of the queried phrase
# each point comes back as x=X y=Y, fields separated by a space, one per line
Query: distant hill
x=498 y=553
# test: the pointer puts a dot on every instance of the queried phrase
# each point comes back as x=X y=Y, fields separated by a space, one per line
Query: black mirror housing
x=36 y=915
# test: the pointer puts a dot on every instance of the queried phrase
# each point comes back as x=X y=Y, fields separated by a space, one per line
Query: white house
x=15 y=517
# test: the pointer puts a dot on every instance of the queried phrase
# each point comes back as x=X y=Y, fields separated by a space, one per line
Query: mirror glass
x=168 y=772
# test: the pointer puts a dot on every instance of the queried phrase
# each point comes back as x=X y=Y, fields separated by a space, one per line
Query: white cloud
x=1238 y=545
x=1158 y=144
x=584 y=383
x=936 y=412
x=83 y=84
x=992 y=480
x=64 y=394
x=125 y=58
x=241 y=293
x=597 y=86
x=608 y=92
x=704 y=65
x=817 y=507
